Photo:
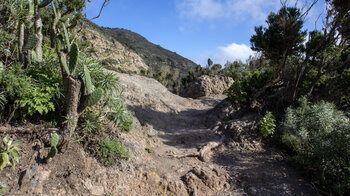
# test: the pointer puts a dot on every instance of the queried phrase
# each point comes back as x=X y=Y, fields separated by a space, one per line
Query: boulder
x=206 y=86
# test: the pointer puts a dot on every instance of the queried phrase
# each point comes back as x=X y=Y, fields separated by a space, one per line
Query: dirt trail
x=176 y=131
x=173 y=152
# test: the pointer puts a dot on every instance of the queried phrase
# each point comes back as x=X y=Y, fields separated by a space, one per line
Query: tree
x=210 y=63
x=282 y=38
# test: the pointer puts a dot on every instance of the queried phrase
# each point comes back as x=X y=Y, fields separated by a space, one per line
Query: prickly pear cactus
x=53 y=150
x=54 y=140
x=95 y=97
x=64 y=64
x=52 y=153
x=66 y=37
x=73 y=58
x=88 y=82
x=67 y=17
x=59 y=39
x=31 y=43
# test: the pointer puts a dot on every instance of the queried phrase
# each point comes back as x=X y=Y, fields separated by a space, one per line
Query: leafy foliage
x=110 y=150
x=31 y=96
x=241 y=90
x=9 y=154
x=3 y=100
x=282 y=37
x=319 y=136
x=267 y=124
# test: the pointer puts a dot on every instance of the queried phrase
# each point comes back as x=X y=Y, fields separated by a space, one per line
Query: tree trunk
x=72 y=102
x=21 y=42
x=38 y=28
x=253 y=102
x=72 y=88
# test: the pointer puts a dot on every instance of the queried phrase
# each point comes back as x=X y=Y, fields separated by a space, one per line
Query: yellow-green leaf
x=15 y=155
x=4 y=160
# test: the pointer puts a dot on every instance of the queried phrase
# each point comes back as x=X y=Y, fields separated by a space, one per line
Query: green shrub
x=319 y=136
x=110 y=150
x=241 y=90
x=23 y=90
x=267 y=124
x=9 y=154
x=91 y=120
x=113 y=106
x=149 y=150
x=119 y=115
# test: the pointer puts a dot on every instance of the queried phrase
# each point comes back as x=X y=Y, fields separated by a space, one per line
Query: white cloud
x=200 y=8
x=256 y=10
x=222 y=54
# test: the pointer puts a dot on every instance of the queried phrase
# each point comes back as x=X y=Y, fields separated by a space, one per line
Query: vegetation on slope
x=48 y=74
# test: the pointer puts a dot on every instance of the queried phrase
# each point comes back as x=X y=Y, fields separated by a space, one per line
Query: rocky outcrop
x=206 y=181
x=206 y=86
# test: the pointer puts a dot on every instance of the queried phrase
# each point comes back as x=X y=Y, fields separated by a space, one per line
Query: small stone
x=98 y=190
x=252 y=191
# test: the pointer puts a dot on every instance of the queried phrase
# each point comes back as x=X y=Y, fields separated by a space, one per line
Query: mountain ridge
x=126 y=51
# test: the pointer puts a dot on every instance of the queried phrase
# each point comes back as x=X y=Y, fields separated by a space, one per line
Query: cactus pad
x=73 y=58
x=54 y=140
x=87 y=79
x=66 y=37
x=95 y=97
x=64 y=65
x=31 y=43
x=67 y=17
x=52 y=153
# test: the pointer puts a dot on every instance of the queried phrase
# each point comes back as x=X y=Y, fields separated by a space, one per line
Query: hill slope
x=126 y=51
x=154 y=55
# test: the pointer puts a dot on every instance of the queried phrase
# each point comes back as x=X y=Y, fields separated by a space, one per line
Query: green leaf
x=5 y=140
x=15 y=155
x=12 y=163
x=4 y=160
x=16 y=143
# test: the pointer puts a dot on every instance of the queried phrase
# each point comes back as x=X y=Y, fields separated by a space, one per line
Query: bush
x=112 y=102
x=241 y=90
x=29 y=95
x=267 y=124
x=110 y=150
x=319 y=136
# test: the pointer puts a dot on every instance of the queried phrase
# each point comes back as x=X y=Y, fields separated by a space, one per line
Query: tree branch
x=103 y=5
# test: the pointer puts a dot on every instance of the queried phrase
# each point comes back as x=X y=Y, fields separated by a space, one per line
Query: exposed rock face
x=206 y=86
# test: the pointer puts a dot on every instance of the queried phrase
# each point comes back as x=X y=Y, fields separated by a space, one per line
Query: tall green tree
x=282 y=38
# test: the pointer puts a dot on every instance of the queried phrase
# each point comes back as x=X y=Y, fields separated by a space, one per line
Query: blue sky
x=196 y=29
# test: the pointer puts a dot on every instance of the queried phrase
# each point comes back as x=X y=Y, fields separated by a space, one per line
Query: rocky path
x=191 y=158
